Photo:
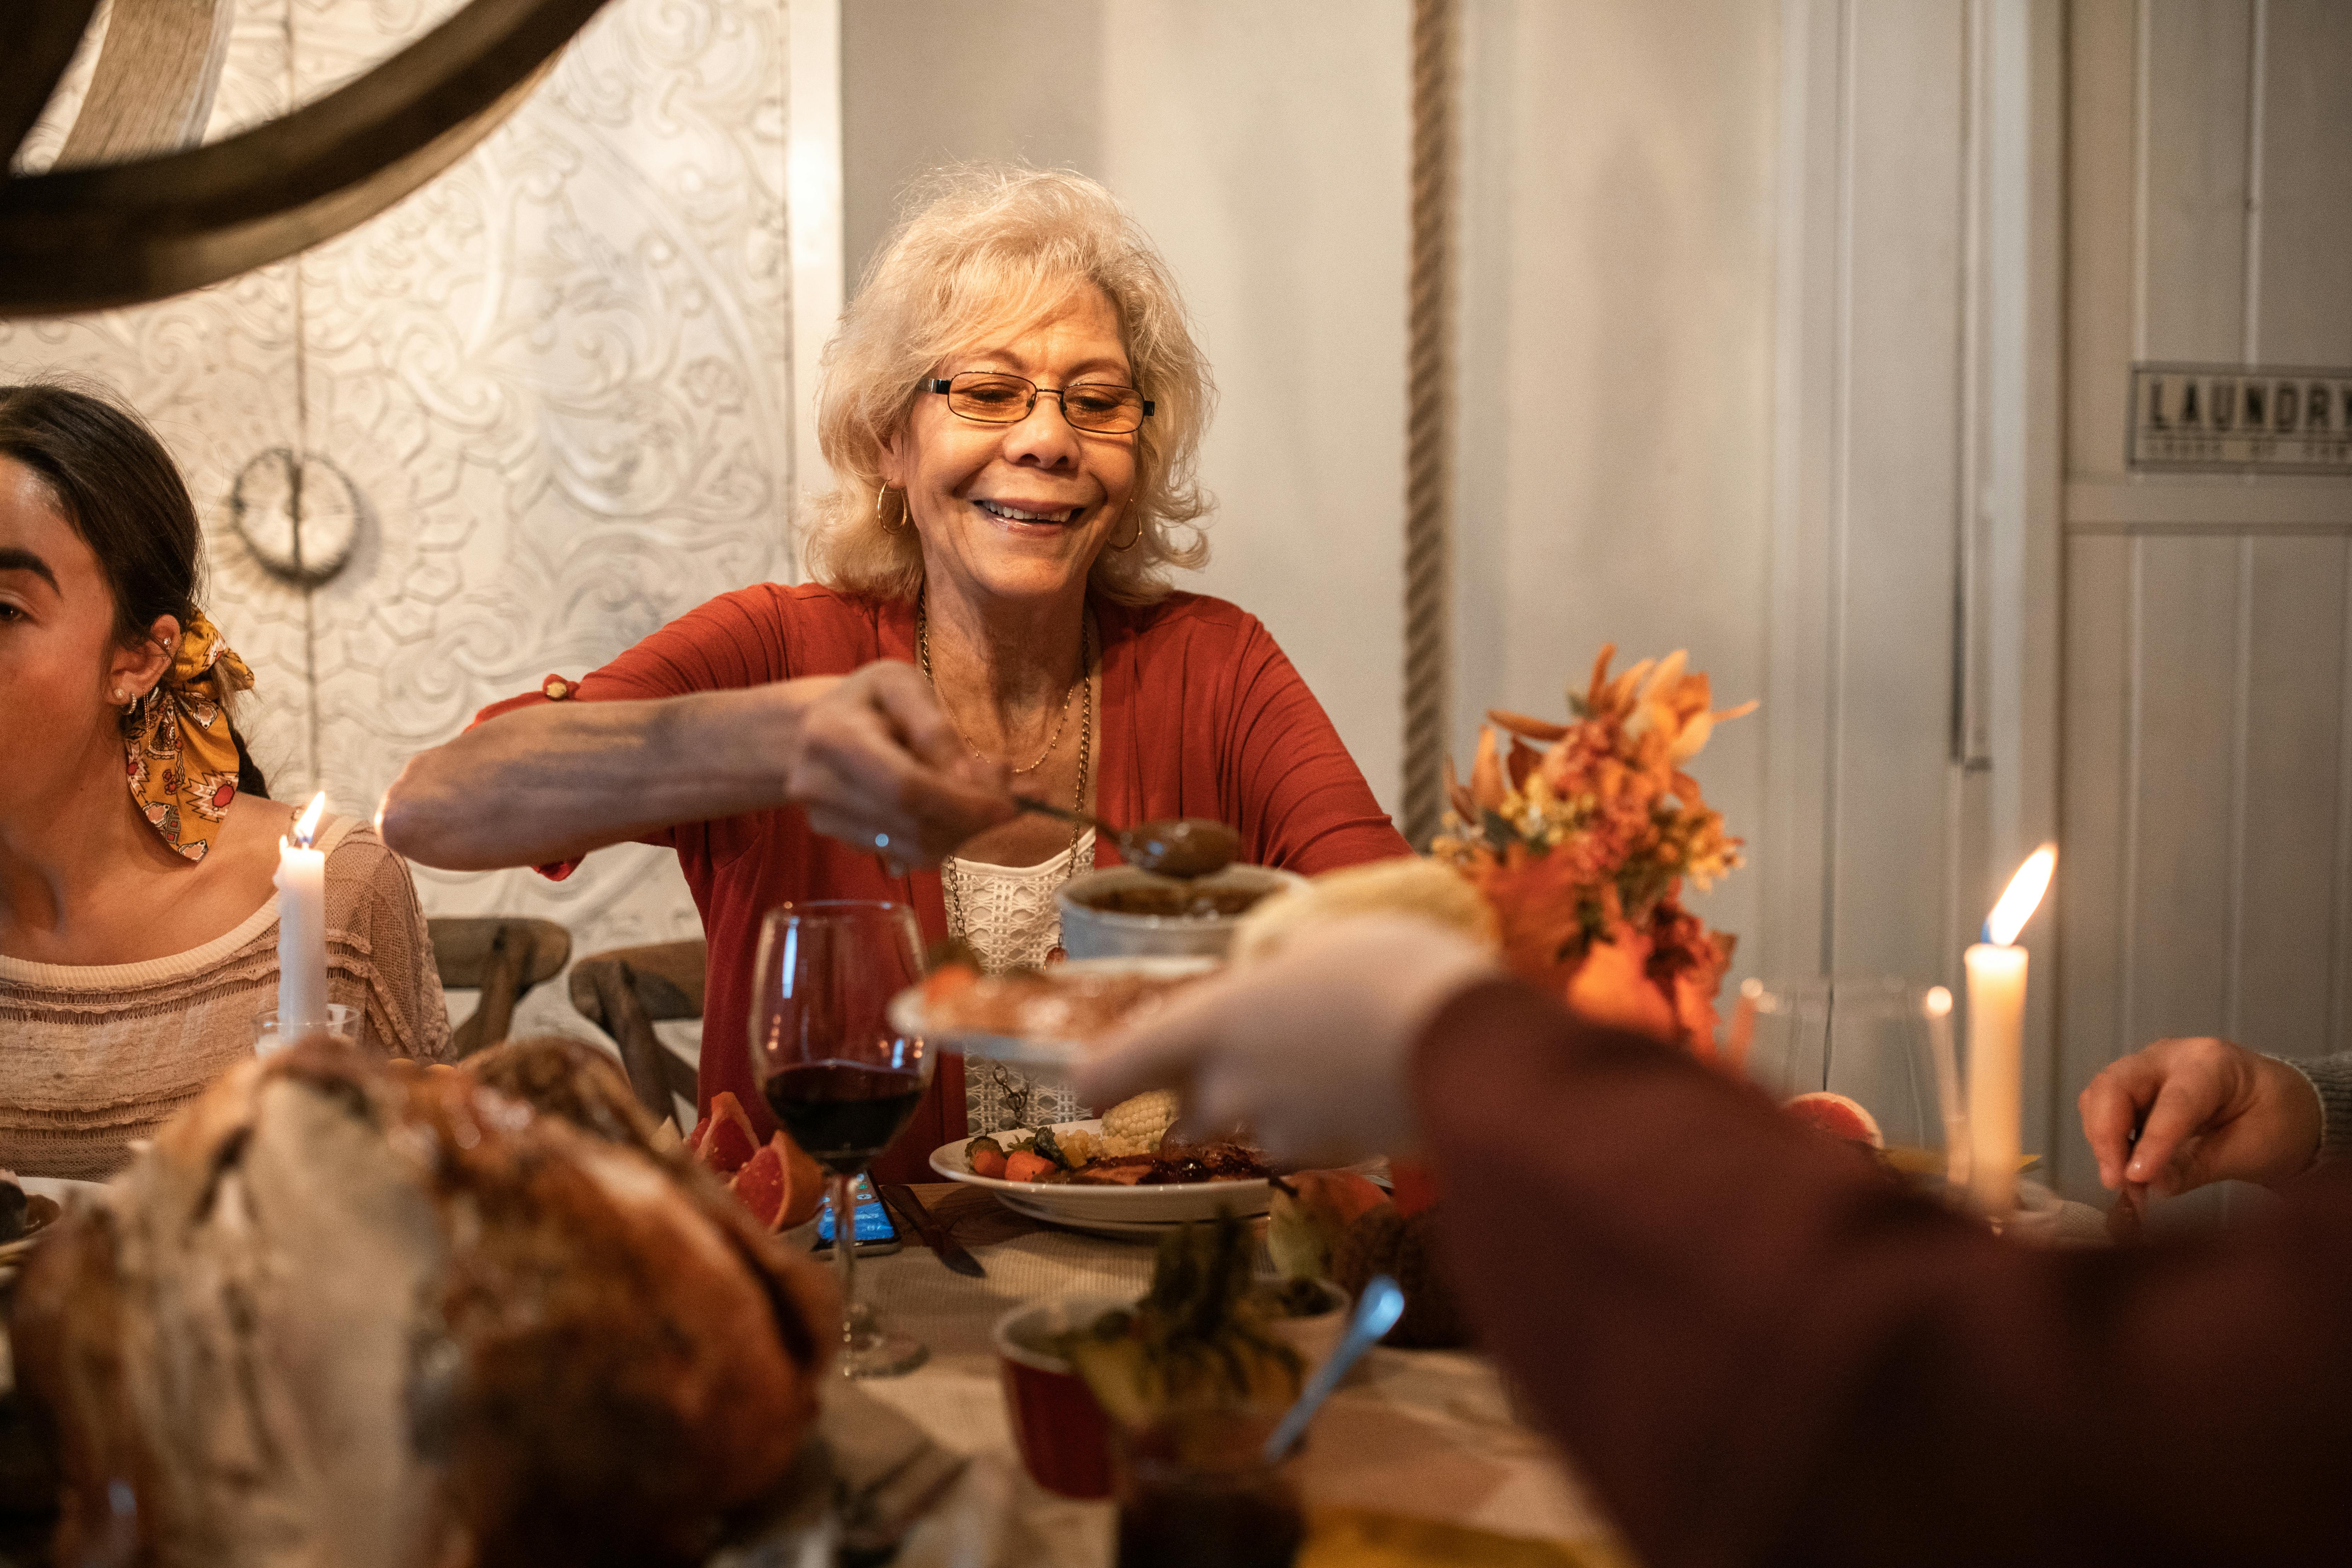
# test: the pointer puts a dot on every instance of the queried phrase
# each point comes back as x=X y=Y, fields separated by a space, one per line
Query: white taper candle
x=1996 y=1073
x=1997 y=1037
x=301 y=882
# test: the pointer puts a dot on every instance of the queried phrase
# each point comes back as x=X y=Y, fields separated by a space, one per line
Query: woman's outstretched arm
x=868 y=755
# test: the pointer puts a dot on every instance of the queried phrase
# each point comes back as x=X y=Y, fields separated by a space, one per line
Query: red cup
x=1063 y=1435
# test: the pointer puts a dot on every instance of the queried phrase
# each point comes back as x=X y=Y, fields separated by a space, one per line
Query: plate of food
x=1119 y=1173
x=1046 y=1020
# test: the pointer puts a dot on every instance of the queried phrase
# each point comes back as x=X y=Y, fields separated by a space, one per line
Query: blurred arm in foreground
x=1758 y=1347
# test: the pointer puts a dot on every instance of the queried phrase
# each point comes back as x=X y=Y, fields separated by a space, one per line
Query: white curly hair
x=980 y=244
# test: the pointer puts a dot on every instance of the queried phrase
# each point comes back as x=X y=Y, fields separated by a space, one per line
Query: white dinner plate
x=1124 y=1229
x=1041 y=1057
x=1117 y=1211
x=62 y=1188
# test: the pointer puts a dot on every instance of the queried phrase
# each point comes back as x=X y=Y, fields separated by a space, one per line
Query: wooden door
x=2206 y=777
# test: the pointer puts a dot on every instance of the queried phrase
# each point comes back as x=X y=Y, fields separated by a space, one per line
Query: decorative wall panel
x=545 y=402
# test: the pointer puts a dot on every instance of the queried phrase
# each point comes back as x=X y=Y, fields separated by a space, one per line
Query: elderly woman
x=1013 y=405
x=139 y=925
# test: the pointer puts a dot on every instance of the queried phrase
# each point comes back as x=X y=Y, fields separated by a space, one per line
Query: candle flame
x=1939 y=1002
x=306 y=827
x=2023 y=897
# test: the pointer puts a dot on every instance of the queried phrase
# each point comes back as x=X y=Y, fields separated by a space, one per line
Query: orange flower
x=1580 y=836
x=1612 y=986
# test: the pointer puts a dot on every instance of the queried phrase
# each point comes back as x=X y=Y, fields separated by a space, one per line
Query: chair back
x=625 y=991
x=502 y=956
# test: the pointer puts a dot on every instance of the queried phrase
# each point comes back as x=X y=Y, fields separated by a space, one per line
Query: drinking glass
x=1885 y=1044
x=343 y=1024
x=842 y=1081
x=1194 y=1490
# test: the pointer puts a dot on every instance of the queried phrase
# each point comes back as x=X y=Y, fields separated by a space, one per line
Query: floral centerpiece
x=1581 y=834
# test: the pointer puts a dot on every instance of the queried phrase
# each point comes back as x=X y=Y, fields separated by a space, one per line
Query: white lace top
x=1011 y=921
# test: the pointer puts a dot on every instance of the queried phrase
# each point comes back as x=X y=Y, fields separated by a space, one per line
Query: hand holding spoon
x=1188 y=846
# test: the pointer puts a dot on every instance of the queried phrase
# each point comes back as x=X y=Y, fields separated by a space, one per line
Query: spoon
x=1377 y=1312
x=1188 y=846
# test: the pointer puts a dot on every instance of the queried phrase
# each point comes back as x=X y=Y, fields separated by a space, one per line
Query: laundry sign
x=2216 y=417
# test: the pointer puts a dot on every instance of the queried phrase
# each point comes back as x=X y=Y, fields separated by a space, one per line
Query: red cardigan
x=1202 y=716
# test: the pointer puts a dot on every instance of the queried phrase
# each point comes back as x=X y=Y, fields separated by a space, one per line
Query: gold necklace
x=923 y=642
x=1059 y=725
x=952 y=893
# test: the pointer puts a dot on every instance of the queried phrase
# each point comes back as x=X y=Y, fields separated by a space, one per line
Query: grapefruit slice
x=779 y=1184
x=724 y=1140
x=761 y=1186
x=803 y=1182
x=1837 y=1116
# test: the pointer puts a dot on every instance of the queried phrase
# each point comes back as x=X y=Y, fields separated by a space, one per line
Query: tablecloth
x=1427 y=1434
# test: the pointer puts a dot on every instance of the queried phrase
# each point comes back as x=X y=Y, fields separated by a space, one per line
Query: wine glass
x=842 y=1081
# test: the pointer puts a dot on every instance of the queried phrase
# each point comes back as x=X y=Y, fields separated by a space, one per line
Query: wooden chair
x=502 y=956
x=624 y=992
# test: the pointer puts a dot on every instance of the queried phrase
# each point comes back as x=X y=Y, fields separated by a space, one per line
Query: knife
x=911 y=1209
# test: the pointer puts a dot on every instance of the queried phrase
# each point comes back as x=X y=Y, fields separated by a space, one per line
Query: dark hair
x=117 y=487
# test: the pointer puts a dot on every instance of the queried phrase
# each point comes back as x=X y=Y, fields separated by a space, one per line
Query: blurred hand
x=2208 y=1111
x=1306 y=1048
x=876 y=764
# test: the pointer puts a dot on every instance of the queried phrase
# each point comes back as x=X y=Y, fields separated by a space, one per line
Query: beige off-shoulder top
x=92 y=1057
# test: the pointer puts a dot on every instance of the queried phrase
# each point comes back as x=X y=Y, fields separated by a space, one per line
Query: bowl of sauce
x=1122 y=911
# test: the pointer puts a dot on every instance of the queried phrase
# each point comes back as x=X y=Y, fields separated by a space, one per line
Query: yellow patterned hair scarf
x=182 y=759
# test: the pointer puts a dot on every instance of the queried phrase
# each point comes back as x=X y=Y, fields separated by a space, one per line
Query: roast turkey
x=352 y=1313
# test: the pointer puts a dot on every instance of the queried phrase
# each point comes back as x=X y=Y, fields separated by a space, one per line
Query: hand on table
x=1306 y=1048
x=2208 y=1111
x=876 y=764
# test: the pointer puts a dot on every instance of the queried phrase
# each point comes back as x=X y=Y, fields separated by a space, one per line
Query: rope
x=1429 y=420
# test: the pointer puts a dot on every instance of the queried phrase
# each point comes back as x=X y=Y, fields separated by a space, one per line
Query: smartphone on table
x=875 y=1231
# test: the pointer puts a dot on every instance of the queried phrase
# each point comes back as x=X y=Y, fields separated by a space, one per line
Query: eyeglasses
x=992 y=397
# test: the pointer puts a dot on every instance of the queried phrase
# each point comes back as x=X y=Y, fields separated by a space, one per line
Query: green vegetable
x=977 y=1144
x=1295 y=1298
x=1201 y=1336
x=1049 y=1149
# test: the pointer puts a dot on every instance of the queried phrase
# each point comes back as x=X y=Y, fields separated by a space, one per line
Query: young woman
x=138 y=920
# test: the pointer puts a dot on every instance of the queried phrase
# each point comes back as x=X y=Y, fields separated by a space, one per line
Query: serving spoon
x=1188 y=846
x=1377 y=1312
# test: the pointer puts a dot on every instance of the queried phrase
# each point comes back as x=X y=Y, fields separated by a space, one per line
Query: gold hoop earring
x=1134 y=542
x=906 y=513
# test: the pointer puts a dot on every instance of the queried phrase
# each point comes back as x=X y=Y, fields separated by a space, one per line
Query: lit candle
x=1996 y=1035
x=301 y=883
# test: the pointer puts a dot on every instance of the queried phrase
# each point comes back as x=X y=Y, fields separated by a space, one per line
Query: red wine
x=843 y=1113
x=1188 y=1527
x=1193 y=1493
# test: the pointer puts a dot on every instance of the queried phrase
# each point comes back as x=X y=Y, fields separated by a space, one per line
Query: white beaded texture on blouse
x=1010 y=921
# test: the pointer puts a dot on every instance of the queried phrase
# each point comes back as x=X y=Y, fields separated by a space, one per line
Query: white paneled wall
x=2207 y=796
x=1616 y=460
x=1867 y=528
x=558 y=380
